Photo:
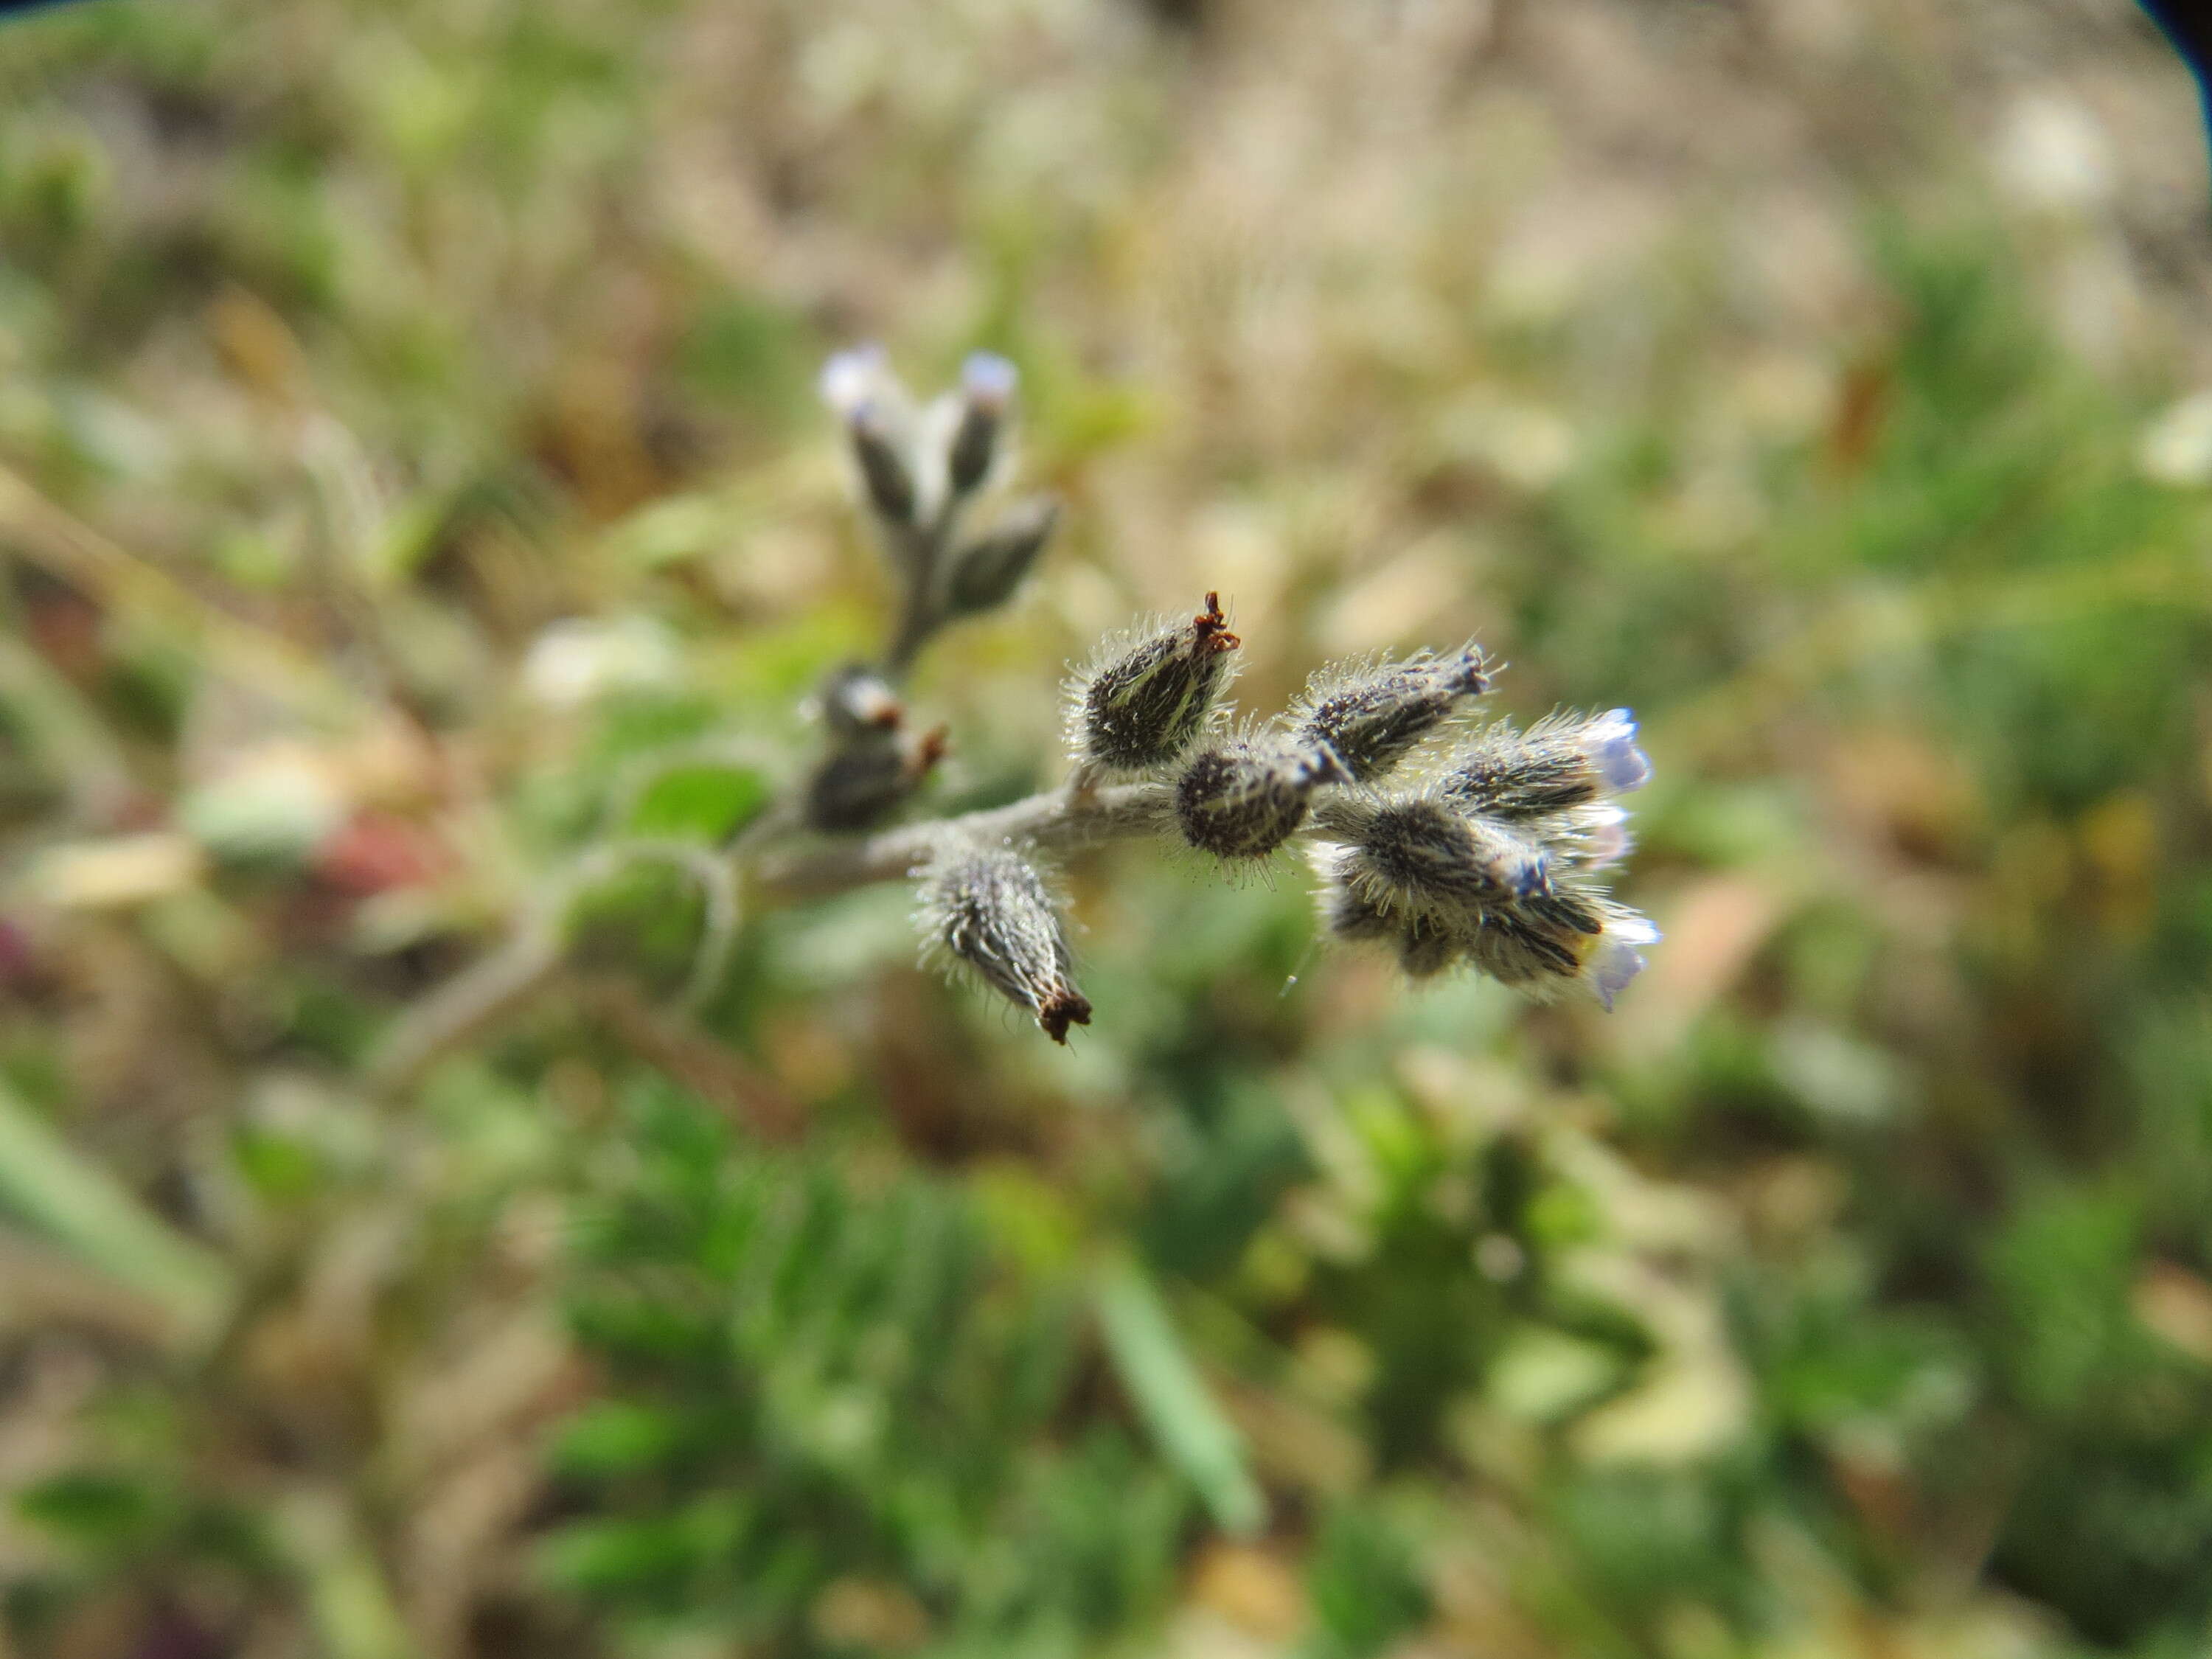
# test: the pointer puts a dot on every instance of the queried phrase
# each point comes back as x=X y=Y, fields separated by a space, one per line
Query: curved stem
x=442 y=1019
x=488 y=990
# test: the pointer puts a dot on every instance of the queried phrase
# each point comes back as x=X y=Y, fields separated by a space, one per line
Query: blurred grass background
x=406 y=431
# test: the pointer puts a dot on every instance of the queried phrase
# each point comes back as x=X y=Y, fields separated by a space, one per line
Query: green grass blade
x=1172 y=1398
x=84 y=1210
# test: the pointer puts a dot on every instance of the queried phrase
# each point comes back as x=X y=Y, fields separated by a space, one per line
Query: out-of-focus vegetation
x=406 y=433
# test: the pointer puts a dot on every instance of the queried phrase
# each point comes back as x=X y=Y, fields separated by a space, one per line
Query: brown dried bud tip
x=1061 y=1010
x=1211 y=627
x=988 y=909
x=1142 y=705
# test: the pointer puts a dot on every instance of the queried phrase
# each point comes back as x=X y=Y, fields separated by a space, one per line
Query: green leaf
x=1172 y=1398
x=614 y=1437
x=659 y=1555
x=1365 y=1589
x=707 y=801
x=92 y=1509
x=277 y=1166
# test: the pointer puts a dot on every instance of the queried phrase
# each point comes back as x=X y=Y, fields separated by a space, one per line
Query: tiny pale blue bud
x=856 y=700
x=854 y=377
x=986 y=390
x=884 y=469
x=1558 y=764
x=1616 y=961
x=1610 y=742
x=988 y=378
x=1594 y=836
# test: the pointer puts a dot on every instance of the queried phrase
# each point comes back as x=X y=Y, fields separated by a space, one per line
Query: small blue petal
x=987 y=376
x=1610 y=742
x=851 y=377
x=1612 y=967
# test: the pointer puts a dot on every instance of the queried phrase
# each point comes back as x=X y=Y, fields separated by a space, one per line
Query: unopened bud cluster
x=1450 y=848
x=1489 y=860
x=921 y=470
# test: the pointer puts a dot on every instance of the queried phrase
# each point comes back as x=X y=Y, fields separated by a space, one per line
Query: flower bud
x=1426 y=947
x=1591 y=837
x=859 y=375
x=856 y=699
x=1417 y=855
x=1558 y=763
x=1142 y=705
x=987 y=391
x=879 y=421
x=1610 y=744
x=1608 y=969
x=1562 y=943
x=987 y=908
x=1245 y=798
x=884 y=469
x=1425 y=944
x=1347 y=913
x=866 y=777
x=1375 y=717
x=989 y=568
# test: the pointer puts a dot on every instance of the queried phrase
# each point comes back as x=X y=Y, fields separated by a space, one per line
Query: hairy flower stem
x=1057 y=821
x=919 y=614
x=495 y=986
